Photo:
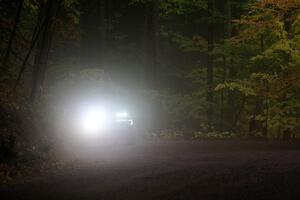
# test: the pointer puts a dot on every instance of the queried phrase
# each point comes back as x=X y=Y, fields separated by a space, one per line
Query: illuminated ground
x=172 y=170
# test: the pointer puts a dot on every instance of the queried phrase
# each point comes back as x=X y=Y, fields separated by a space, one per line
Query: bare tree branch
x=12 y=35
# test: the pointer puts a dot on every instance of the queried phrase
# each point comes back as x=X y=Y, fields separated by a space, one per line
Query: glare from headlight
x=93 y=120
x=122 y=115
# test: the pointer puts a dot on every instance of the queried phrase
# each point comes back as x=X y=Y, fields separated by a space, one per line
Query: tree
x=210 y=64
x=12 y=35
x=93 y=22
x=268 y=31
x=46 y=19
x=151 y=42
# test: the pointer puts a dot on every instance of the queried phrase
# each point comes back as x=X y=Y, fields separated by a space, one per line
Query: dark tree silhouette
x=12 y=36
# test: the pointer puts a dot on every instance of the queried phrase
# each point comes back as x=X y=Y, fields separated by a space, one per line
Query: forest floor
x=169 y=170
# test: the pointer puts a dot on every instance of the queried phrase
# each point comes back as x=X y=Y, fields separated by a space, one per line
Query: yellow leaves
x=242 y=87
x=199 y=41
x=32 y=4
x=289 y=82
x=282 y=4
x=252 y=27
x=264 y=77
x=268 y=17
x=272 y=27
x=296 y=25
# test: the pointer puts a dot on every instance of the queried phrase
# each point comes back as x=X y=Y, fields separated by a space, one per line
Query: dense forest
x=199 y=68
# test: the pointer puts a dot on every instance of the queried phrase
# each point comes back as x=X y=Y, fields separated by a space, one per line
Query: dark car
x=97 y=112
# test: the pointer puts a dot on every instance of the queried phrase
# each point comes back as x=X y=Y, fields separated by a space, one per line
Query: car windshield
x=94 y=82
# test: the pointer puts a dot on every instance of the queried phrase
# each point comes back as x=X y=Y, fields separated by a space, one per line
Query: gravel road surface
x=170 y=170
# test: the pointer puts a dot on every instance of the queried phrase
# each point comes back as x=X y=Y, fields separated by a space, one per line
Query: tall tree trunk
x=210 y=67
x=256 y=126
x=93 y=41
x=102 y=32
x=110 y=8
x=151 y=37
x=150 y=72
x=222 y=112
x=231 y=101
x=34 y=39
x=227 y=34
x=266 y=127
x=12 y=36
x=49 y=10
x=228 y=18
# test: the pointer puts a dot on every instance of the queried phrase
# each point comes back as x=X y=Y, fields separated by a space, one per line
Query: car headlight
x=123 y=117
x=93 y=119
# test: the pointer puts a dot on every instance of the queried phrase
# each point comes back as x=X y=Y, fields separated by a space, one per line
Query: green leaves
x=181 y=7
x=177 y=7
x=186 y=44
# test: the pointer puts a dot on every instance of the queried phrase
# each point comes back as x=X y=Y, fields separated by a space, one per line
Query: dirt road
x=172 y=170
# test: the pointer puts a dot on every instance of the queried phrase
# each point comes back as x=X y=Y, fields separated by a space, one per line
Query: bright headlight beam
x=122 y=115
x=93 y=120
